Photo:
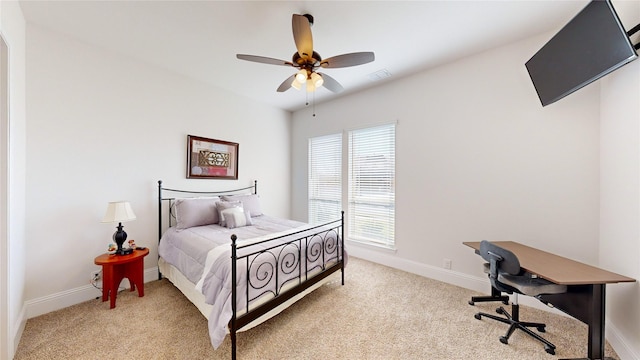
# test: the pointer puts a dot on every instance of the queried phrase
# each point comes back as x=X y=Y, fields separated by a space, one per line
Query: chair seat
x=531 y=286
x=528 y=285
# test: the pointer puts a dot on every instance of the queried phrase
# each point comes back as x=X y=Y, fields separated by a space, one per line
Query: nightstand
x=117 y=267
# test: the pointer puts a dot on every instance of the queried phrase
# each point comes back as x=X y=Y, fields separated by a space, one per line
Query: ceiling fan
x=306 y=60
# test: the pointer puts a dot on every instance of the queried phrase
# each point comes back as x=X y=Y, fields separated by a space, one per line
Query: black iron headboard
x=189 y=193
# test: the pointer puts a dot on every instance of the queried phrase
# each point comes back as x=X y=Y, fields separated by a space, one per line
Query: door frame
x=5 y=342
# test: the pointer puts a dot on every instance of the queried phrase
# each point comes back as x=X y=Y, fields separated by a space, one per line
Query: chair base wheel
x=550 y=350
x=477 y=316
x=500 y=310
x=541 y=329
x=504 y=340
x=471 y=303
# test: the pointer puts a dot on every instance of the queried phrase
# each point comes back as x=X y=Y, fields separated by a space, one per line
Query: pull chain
x=313 y=101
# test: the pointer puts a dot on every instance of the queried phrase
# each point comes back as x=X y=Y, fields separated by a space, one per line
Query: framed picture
x=211 y=159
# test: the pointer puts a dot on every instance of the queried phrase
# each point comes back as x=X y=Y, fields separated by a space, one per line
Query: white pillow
x=249 y=202
x=223 y=205
x=236 y=217
x=196 y=212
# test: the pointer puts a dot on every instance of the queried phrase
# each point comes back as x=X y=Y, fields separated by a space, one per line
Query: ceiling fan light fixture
x=310 y=86
x=317 y=80
x=301 y=76
x=296 y=85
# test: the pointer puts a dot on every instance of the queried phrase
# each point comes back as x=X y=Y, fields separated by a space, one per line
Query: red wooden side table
x=117 y=267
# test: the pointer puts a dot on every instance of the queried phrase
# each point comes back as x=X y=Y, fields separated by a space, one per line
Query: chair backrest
x=500 y=261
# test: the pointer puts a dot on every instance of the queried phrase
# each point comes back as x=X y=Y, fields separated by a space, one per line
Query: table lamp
x=119 y=211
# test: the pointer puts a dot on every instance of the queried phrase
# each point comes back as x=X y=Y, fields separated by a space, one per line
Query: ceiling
x=199 y=39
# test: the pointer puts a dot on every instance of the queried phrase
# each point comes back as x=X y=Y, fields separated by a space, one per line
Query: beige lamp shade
x=317 y=80
x=118 y=211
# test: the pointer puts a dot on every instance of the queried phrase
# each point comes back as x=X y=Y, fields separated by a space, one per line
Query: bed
x=238 y=266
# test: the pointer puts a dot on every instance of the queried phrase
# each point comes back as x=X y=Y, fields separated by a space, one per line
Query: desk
x=585 y=297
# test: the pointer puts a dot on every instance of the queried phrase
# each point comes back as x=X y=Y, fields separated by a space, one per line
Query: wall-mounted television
x=593 y=44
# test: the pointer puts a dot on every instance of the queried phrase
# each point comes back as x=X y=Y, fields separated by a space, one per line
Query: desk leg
x=587 y=304
x=596 y=326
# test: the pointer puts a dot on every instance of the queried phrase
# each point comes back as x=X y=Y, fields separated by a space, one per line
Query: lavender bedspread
x=195 y=249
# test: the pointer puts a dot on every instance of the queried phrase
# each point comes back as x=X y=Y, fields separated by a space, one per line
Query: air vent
x=379 y=75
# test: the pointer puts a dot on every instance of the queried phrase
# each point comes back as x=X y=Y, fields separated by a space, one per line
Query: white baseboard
x=620 y=343
x=21 y=322
x=61 y=300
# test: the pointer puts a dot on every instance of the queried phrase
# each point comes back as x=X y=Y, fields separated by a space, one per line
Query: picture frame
x=211 y=158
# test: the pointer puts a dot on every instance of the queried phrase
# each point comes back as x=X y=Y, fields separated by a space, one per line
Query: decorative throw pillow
x=196 y=212
x=236 y=217
x=223 y=205
x=249 y=202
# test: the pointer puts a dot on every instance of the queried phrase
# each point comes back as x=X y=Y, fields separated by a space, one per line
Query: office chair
x=496 y=295
x=505 y=274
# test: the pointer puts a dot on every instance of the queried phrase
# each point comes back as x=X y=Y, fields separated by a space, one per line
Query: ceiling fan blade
x=302 y=36
x=286 y=85
x=330 y=83
x=346 y=60
x=263 y=60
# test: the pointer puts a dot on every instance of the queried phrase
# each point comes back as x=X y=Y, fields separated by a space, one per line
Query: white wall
x=620 y=194
x=104 y=128
x=477 y=158
x=620 y=198
x=12 y=29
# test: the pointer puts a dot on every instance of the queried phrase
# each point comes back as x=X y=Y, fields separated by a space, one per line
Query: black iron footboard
x=281 y=268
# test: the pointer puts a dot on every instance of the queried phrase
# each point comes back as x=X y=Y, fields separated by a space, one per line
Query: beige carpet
x=380 y=313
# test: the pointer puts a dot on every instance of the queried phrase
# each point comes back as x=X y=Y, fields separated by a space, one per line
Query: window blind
x=371 y=215
x=325 y=178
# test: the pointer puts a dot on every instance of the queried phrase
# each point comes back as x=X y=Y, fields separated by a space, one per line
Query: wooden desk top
x=554 y=268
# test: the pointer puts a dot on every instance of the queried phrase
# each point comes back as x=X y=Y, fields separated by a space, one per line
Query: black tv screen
x=593 y=44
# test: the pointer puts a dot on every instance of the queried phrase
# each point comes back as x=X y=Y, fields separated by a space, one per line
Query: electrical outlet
x=95 y=276
x=446 y=263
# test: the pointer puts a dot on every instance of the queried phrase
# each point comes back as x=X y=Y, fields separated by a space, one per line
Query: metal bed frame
x=324 y=242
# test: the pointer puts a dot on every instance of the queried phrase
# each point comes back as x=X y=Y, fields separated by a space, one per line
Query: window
x=370 y=183
x=325 y=178
x=371 y=214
